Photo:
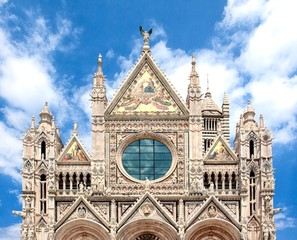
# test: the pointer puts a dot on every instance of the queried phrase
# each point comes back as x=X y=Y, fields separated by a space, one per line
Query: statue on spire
x=145 y=35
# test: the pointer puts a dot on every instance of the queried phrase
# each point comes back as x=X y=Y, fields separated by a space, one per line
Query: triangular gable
x=147 y=206
x=41 y=166
x=220 y=152
x=27 y=137
x=42 y=136
x=212 y=208
x=82 y=209
x=146 y=91
x=74 y=152
x=41 y=223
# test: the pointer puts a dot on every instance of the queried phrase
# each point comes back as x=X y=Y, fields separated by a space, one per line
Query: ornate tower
x=194 y=99
x=98 y=98
x=253 y=144
x=41 y=145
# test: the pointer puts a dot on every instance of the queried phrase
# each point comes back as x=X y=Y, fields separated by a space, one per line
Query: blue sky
x=48 y=52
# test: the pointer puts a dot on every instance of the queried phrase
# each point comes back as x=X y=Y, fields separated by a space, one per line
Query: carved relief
x=63 y=207
x=81 y=212
x=147 y=209
x=102 y=208
x=212 y=211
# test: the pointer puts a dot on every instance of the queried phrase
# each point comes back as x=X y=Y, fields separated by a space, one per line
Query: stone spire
x=194 y=76
x=33 y=122
x=226 y=117
x=99 y=76
x=45 y=115
x=261 y=121
x=208 y=102
x=208 y=93
x=99 y=102
x=225 y=100
x=249 y=114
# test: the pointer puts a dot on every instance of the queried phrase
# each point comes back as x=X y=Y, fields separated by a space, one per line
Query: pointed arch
x=43 y=194
x=252 y=192
x=251 y=148
x=43 y=149
x=212 y=229
x=151 y=227
x=254 y=229
x=82 y=228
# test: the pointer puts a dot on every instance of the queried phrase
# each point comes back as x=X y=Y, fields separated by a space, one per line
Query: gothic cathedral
x=159 y=168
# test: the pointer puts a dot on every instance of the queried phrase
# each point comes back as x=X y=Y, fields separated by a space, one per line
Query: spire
x=53 y=123
x=261 y=121
x=194 y=76
x=249 y=113
x=225 y=101
x=146 y=37
x=208 y=93
x=33 y=122
x=58 y=131
x=241 y=120
x=99 y=76
x=45 y=115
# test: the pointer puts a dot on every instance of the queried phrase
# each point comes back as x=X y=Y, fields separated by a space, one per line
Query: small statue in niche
x=81 y=187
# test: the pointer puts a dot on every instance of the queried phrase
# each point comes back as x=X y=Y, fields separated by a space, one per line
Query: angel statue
x=145 y=35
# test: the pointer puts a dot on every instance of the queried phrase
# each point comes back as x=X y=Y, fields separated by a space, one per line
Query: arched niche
x=82 y=229
x=147 y=228
x=213 y=229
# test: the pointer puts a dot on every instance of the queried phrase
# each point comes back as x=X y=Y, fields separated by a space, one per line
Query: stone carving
x=147 y=209
x=81 y=211
x=145 y=35
x=212 y=211
x=28 y=185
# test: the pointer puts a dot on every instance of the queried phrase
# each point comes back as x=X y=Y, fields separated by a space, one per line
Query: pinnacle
x=194 y=77
x=225 y=101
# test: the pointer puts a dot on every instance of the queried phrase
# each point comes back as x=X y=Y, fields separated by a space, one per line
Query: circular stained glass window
x=147 y=159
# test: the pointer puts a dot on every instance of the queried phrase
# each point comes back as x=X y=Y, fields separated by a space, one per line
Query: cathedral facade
x=159 y=168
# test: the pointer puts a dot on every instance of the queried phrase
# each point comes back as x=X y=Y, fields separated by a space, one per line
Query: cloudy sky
x=49 y=49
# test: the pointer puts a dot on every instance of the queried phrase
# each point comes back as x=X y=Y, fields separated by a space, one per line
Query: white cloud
x=255 y=60
x=11 y=232
x=110 y=53
x=28 y=79
x=17 y=194
x=242 y=12
x=10 y=151
x=282 y=220
x=268 y=60
x=3 y=1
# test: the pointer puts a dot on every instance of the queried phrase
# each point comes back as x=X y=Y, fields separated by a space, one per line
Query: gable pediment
x=146 y=92
x=212 y=208
x=147 y=207
x=81 y=209
x=220 y=152
x=74 y=152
